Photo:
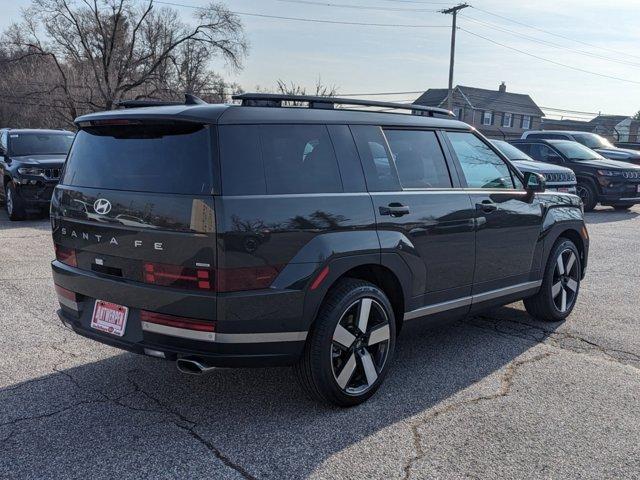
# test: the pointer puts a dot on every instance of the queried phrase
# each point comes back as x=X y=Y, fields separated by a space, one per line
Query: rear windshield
x=39 y=143
x=143 y=158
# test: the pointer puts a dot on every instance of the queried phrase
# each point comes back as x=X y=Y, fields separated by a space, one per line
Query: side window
x=482 y=168
x=545 y=153
x=418 y=158
x=278 y=159
x=379 y=170
x=299 y=159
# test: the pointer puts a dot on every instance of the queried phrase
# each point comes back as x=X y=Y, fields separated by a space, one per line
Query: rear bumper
x=237 y=342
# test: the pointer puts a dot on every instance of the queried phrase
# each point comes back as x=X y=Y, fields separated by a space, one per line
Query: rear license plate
x=563 y=190
x=109 y=317
x=638 y=188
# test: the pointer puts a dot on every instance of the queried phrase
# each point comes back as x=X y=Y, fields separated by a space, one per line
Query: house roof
x=483 y=99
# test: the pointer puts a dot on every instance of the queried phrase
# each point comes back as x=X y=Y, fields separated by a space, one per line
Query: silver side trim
x=261 y=337
x=438 y=307
x=503 y=292
x=633 y=199
x=464 y=301
x=224 y=337
x=178 y=332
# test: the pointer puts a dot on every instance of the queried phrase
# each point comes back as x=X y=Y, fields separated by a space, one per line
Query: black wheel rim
x=566 y=281
x=583 y=193
x=360 y=346
x=9 y=201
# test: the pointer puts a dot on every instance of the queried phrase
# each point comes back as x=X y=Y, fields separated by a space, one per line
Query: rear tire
x=588 y=194
x=13 y=204
x=351 y=345
x=560 y=285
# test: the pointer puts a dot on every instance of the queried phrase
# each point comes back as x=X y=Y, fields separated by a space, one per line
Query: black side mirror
x=534 y=182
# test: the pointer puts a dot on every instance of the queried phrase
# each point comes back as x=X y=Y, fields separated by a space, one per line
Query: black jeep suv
x=261 y=234
x=600 y=180
x=30 y=165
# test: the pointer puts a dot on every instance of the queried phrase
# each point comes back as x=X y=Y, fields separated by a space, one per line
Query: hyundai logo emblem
x=102 y=206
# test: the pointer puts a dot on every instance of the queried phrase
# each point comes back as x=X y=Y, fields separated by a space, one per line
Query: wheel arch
x=388 y=276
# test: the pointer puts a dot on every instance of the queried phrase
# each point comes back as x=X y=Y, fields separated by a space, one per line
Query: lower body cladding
x=184 y=326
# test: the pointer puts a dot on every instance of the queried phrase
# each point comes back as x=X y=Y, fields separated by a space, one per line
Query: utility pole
x=453 y=11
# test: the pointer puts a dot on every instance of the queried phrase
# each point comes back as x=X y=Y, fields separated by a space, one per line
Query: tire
x=342 y=364
x=588 y=194
x=622 y=208
x=13 y=204
x=560 y=285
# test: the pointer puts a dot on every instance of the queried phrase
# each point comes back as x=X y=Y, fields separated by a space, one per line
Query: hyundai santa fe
x=264 y=234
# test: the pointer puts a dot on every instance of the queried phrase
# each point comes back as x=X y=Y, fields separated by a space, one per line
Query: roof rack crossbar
x=275 y=100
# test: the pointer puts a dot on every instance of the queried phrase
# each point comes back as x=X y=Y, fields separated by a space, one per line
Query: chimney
x=502 y=88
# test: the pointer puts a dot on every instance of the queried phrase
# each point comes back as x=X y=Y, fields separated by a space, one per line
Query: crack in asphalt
x=180 y=420
x=506 y=383
x=562 y=340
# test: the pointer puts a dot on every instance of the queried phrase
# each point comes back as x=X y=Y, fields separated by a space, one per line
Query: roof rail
x=188 y=100
x=275 y=100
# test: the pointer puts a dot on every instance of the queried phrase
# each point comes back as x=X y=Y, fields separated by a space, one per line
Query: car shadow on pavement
x=110 y=417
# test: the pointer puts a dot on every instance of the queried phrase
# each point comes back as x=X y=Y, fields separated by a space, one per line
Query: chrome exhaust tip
x=193 y=366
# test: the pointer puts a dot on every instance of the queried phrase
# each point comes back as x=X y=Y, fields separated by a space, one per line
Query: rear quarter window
x=278 y=159
x=174 y=158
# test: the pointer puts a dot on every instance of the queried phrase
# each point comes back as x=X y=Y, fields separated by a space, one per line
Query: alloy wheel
x=583 y=194
x=564 y=288
x=9 y=201
x=360 y=346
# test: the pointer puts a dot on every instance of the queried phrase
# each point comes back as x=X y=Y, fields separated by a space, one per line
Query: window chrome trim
x=470 y=300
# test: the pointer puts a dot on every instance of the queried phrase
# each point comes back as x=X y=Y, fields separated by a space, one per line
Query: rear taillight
x=177 y=322
x=177 y=276
x=223 y=280
x=66 y=255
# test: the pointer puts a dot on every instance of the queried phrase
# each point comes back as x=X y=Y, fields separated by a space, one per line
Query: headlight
x=30 y=171
x=609 y=173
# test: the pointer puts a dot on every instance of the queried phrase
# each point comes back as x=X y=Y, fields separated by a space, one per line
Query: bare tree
x=98 y=52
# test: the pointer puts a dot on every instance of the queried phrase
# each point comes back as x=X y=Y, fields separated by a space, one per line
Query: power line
x=358 y=7
x=312 y=20
x=577 y=69
x=550 y=32
x=553 y=44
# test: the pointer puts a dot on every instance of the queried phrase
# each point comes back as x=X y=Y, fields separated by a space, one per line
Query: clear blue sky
x=389 y=59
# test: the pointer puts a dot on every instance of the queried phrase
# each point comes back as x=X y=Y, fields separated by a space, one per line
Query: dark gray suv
x=260 y=234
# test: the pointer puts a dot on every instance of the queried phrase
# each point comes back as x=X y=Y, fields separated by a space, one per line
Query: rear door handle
x=394 y=210
x=487 y=206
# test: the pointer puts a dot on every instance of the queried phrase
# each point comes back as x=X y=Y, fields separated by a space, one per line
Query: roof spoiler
x=275 y=100
x=188 y=100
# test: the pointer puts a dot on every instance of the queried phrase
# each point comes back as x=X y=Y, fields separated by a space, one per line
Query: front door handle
x=394 y=209
x=487 y=206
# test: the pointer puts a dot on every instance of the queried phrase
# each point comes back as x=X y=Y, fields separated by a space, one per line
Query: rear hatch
x=135 y=204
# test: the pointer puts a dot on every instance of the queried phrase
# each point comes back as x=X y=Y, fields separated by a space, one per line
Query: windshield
x=592 y=140
x=39 y=143
x=575 y=151
x=172 y=158
x=511 y=152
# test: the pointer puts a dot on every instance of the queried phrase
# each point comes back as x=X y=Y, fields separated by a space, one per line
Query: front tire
x=13 y=204
x=588 y=194
x=351 y=345
x=560 y=286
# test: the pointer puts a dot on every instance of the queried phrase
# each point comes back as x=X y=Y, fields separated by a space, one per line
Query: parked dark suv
x=307 y=236
x=30 y=165
x=600 y=180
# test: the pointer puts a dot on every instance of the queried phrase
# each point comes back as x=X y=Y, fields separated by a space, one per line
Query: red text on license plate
x=109 y=317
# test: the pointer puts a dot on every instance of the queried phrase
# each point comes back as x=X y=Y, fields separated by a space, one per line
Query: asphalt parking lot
x=494 y=396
